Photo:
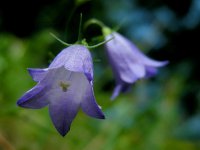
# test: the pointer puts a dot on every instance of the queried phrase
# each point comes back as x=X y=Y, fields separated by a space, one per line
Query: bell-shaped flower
x=65 y=86
x=128 y=63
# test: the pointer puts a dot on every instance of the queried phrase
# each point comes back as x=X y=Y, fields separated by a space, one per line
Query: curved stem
x=99 y=44
x=105 y=31
x=94 y=21
x=64 y=43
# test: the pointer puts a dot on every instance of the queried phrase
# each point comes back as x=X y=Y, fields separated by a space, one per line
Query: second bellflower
x=65 y=86
x=128 y=63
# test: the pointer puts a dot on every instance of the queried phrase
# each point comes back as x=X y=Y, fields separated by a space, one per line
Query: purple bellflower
x=65 y=86
x=128 y=63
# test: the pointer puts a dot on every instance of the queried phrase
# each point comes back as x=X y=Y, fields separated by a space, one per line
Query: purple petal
x=128 y=63
x=151 y=71
x=75 y=58
x=116 y=91
x=121 y=87
x=138 y=69
x=141 y=58
x=125 y=87
x=34 y=98
x=37 y=74
x=89 y=105
x=88 y=68
x=154 y=63
x=62 y=111
x=150 y=62
x=65 y=101
x=123 y=60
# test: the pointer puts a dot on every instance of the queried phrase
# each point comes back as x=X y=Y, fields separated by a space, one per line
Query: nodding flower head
x=65 y=86
x=128 y=63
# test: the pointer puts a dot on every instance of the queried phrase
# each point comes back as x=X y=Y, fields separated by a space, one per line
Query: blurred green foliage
x=161 y=113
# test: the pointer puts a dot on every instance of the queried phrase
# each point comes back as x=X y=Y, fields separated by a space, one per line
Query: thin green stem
x=99 y=44
x=94 y=21
x=64 y=43
x=80 y=26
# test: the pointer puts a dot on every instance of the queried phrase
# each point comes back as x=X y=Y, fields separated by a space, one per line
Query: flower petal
x=128 y=62
x=89 y=104
x=65 y=97
x=88 y=68
x=34 y=98
x=75 y=58
x=116 y=91
x=37 y=74
x=151 y=71
x=154 y=63
x=121 y=87
x=122 y=59
x=138 y=69
x=126 y=58
x=63 y=111
x=141 y=57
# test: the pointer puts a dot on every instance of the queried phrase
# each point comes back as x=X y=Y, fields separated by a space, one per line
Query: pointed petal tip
x=63 y=132
x=102 y=116
x=30 y=71
x=94 y=112
x=90 y=106
x=37 y=74
x=33 y=98
x=112 y=98
x=162 y=63
x=99 y=115
x=22 y=104
x=166 y=62
x=116 y=92
x=18 y=103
